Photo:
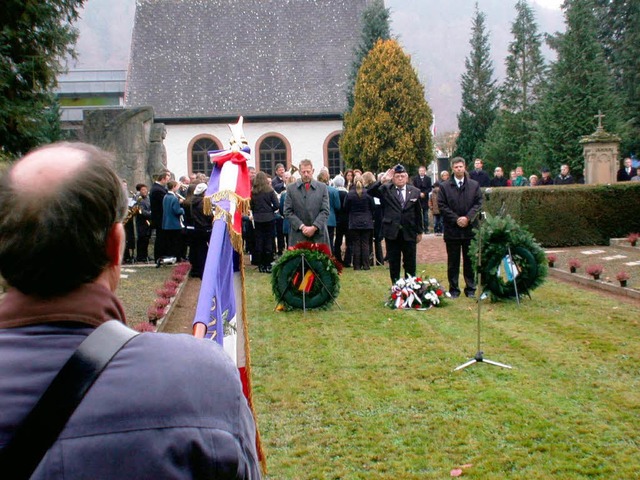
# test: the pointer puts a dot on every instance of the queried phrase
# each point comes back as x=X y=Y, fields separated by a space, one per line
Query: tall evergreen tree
x=619 y=35
x=34 y=37
x=390 y=121
x=479 y=92
x=375 y=26
x=508 y=140
x=579 y=87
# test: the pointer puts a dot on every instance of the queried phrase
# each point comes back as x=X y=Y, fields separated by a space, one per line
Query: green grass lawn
x=365 y=392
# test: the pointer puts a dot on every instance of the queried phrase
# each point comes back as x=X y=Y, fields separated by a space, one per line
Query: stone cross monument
x=600 y=151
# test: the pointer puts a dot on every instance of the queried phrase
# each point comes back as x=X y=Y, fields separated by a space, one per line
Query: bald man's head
x=57 y=207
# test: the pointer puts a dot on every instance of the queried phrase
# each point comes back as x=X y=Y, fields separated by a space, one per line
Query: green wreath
x=498 y=237
x=287 y=279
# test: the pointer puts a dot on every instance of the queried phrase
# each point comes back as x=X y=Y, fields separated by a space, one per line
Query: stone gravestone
x=600 y=151
x=132 y=136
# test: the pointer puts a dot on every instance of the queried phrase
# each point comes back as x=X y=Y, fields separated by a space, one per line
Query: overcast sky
x=434 y=32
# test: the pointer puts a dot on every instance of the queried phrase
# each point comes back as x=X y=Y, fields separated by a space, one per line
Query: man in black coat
x=422 y=182
x=498 y=180
x=402 y=220
x=478 y=174
x=156 y=196
x=627 y=172
x=460 y=201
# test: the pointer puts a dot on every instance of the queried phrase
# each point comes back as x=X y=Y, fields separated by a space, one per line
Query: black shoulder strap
x=45 y=422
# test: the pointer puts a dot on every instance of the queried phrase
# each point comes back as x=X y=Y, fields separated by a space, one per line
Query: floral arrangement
x=595 y=270
x=312 y=285
x=622 y=276
x=497 y=236
x=632 y=238
x=416 y=293
x=552 y=258
x=574 y=263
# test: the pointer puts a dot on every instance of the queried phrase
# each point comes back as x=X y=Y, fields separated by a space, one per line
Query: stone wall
x=133 y=137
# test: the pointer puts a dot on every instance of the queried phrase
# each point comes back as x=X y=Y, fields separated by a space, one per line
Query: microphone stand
x=479 y=356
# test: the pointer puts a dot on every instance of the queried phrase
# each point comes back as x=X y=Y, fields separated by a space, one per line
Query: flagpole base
x=480 y=358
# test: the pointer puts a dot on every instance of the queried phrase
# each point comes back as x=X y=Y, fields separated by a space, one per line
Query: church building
x=281 y=64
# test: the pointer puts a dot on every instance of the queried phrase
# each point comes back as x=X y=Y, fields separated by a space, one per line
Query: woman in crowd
x=438 y=226
x=172 y=222
x=342 y=224
x=444 y=176
x=288 y=180
x=264 y=205
x=348 y=179
x=200 y=233
x=359 y=206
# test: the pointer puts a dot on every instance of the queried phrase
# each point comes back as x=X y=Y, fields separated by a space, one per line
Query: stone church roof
x=223 y=58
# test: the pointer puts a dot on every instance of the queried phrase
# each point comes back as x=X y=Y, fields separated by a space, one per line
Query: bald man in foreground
x=150 y=414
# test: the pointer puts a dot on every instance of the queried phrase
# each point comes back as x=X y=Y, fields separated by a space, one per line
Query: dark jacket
x=498 y=182
x=457 y=202
x=545 y=181
x=481 y=177
x=156 y=195
x=397 y=218
x=278 y=184
x=360 y=210
x=143 y=218
x=264 y=205
x=200 y=220
x=424 y=185
x=560 y=180
x=623 y=176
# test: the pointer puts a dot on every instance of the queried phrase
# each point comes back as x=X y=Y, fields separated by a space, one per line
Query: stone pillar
x=132 y=136
x=600 y=151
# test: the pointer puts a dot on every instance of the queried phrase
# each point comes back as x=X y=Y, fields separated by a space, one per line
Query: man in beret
x=402 y=221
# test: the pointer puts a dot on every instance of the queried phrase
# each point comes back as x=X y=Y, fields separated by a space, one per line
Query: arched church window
x=200 y=162
x=335 y=164
x=272 y=151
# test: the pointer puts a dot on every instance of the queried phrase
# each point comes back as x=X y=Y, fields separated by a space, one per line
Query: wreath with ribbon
x=306 y=276
x=511 y=258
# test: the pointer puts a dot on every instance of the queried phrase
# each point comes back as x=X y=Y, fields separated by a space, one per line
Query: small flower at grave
x=574 y=264
x=632 y=238
x=622 y=276
x=595 y=270
x=552 y=259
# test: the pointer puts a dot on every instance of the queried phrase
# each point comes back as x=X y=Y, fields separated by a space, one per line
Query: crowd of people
x=353 y=213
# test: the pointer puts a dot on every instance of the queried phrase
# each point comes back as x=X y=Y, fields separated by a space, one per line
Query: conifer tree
x=479 y=92
x=579 y=87
x=619 y=35
x=34 y=37
x=375 y=26
x=508 y=140
x=390 y=121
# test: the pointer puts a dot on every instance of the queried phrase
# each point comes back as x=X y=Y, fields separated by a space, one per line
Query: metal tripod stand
x=479 y=357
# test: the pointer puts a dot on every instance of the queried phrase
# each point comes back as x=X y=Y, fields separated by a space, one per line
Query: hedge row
x=570 y=215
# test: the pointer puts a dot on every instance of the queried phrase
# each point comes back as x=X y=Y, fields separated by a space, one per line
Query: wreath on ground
x=509 y=252
x=313 y=286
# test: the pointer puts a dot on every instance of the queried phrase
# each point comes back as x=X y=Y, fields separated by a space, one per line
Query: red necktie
x=306 y=185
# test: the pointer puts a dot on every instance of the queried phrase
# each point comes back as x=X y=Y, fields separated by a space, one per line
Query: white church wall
x=306 y=139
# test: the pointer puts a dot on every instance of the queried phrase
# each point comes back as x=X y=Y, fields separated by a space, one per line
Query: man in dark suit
x=627 y=172
x=460 y=201
x=402 y=220
x=156 y=196
x=422 y=182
